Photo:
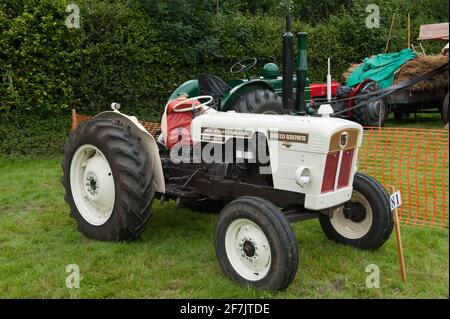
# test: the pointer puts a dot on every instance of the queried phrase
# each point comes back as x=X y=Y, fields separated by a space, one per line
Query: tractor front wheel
x=108 y=181
x=368 y=223
x=255 y=244
x=261 y=101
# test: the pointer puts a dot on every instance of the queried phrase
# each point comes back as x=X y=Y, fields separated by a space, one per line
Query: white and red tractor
x=259 y=172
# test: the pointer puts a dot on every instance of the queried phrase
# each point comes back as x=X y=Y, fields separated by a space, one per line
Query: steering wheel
x=193 y=100
x=243 y=65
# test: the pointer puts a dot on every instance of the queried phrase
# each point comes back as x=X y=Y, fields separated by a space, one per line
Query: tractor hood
x=294 y=133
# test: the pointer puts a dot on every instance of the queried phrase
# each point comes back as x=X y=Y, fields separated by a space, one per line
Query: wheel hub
x=248 y=249
x=355 y=222
x=92 y=184
x=358 y=213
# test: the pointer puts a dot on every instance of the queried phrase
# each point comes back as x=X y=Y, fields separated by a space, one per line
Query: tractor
x=258 y=172
x=269 y=94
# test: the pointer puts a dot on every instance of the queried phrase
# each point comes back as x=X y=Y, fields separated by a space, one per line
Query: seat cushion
x=212 y=85
x=178 y=124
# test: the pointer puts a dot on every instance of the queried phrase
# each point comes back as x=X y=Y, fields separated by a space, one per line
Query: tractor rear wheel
x=255 y=245
x=373 y=113
x=261 y=101
x=369 y=223
x=108 y=181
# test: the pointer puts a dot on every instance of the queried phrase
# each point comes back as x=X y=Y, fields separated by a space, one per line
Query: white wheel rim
x=349 y=228
x=248 y=249
x=92 y=185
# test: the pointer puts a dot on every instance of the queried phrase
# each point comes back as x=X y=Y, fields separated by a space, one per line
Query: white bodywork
x=287 y=157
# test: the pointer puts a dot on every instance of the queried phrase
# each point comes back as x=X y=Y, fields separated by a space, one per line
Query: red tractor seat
x=179 y=124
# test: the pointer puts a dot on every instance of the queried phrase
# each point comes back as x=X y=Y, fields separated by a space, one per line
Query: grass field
x=175 y=257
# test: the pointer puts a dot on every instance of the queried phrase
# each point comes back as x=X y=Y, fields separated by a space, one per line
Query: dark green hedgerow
x=33 y=135
x=137 y=52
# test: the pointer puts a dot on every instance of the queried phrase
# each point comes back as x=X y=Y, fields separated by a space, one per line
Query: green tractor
x=260 y=95
x=269 y=94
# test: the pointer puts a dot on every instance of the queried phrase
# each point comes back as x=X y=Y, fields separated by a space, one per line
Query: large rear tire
x=261 y=101
x=370 y=221
x=373 y=113
x=255 y=245
x=108 y=181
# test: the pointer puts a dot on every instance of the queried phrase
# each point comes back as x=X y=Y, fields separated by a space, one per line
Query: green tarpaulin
x=380 y=68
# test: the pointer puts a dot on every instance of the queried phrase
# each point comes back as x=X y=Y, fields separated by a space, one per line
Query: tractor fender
x=148 y=143
x=190 y=87
x=240 y=90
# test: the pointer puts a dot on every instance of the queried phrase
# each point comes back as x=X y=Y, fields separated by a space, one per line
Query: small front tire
x=255 y=244
x=370 y=222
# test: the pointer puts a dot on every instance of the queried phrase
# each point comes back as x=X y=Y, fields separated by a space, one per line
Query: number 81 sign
x=396 y=200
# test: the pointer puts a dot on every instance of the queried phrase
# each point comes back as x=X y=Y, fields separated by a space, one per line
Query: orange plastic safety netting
x=414 y=161
x=152 y=128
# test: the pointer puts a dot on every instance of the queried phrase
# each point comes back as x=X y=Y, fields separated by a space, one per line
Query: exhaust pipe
x=288 y=86
x=302 y=73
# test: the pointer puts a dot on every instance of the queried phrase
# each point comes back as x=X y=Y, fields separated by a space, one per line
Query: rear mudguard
x=148 y=143
x=190 y=87
x=355 y=92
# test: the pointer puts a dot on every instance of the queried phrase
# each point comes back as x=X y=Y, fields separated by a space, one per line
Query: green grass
x=419 y=120
x=175 y=257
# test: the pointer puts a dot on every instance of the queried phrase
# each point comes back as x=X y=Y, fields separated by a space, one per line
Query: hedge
x=137 y=52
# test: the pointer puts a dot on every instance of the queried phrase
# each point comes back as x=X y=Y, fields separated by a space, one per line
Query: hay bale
x=416 y=67
x=421 y=65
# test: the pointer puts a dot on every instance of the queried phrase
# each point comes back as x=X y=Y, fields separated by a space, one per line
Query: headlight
x=303 y=176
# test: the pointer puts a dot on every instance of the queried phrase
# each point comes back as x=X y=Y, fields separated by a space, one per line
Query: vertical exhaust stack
x=288 y=86
x=329 y=82
x=302 y=73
